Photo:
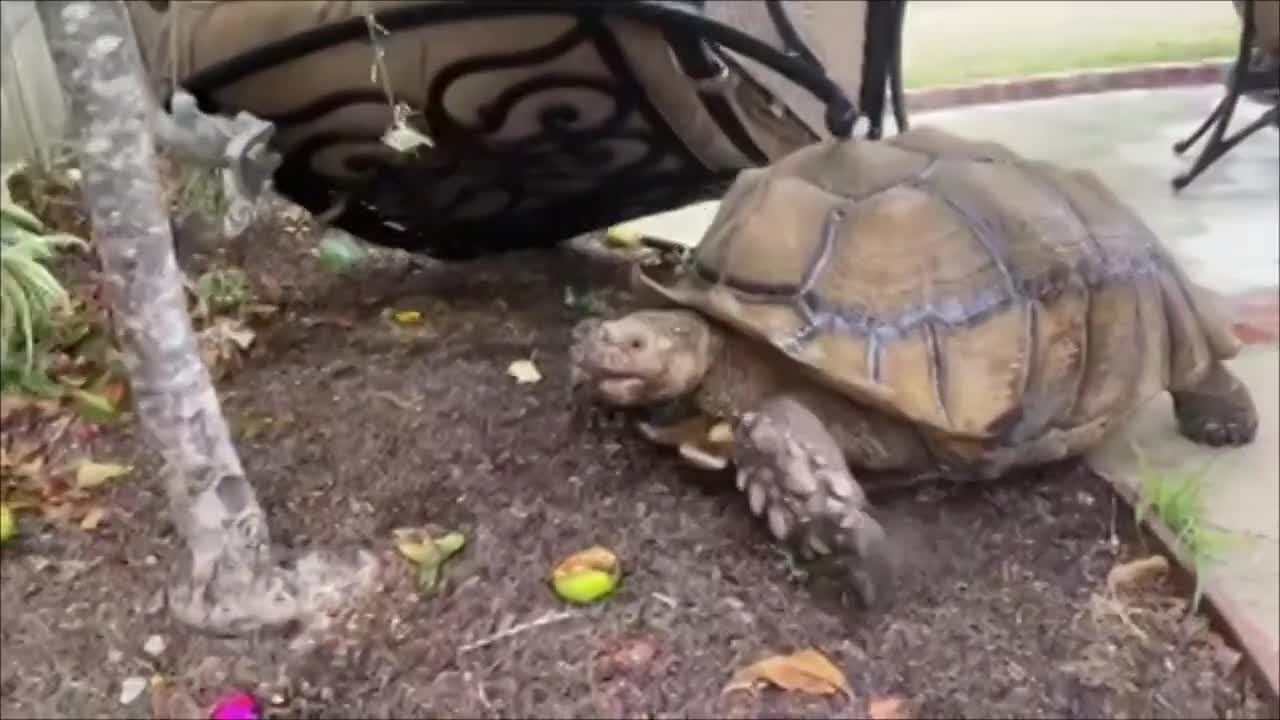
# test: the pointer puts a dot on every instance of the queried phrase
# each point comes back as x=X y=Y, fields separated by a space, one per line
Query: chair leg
x=1212 y=149
x=899 y=99
x=1182 y=145
x=1216 y=150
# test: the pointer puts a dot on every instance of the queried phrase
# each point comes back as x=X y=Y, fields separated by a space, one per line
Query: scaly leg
x=1217 y=411
x=795 y=477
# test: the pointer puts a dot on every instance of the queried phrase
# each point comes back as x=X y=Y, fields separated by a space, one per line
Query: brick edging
x=1039 y=87
x=1232 y=621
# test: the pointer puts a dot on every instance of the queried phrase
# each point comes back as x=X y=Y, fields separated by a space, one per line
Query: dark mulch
x=375 y=428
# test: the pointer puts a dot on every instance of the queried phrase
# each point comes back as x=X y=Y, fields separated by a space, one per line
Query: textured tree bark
x=232 y=583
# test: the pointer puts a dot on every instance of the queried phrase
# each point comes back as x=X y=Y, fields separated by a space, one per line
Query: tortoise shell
x=951 y=283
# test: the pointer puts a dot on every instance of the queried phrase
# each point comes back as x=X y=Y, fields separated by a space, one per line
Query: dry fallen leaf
x=222 y=343
x=524 y=372
x=888 y=708
x=1136 y=571
x=807 y=671
x=93 y=518
x=92 y=474
x=261 y=311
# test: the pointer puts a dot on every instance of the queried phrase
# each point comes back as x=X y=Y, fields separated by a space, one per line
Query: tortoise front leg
x=796 y=478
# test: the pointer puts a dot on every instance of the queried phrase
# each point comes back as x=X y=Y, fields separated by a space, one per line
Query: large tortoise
x=924 y=304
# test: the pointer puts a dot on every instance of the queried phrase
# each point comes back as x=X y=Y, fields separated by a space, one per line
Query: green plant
x=1176 y=497
x=202 y=191
x=29 y=292
x=224 y=291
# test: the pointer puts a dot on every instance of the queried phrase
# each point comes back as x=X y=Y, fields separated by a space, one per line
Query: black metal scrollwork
x=481 y=190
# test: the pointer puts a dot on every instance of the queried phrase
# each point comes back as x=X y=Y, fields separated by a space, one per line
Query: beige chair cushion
x=328 y=94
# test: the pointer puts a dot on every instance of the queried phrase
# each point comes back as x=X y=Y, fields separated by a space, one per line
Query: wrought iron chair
x=1256 y=74
x=547 y=118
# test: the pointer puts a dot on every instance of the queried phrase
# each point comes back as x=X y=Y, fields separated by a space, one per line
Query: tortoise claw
x=809 y=499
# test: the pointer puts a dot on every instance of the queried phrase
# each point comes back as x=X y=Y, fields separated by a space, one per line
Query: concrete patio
x=1225 y=228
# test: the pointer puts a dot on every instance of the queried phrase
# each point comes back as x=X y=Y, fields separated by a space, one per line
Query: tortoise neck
x=738 y=374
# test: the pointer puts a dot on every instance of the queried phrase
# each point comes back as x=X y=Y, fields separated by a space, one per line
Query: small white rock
x=131 y=688
x=114 y=656
x=154 y=646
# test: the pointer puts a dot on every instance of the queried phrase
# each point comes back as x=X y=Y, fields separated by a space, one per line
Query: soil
x=352 y=426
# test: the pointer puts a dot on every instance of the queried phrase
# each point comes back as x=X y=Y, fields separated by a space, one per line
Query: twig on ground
x=517 y=629
x=1101 y=605
x=665 y=600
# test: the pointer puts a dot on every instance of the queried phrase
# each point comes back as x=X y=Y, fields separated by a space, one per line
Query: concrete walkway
x=1225 y=229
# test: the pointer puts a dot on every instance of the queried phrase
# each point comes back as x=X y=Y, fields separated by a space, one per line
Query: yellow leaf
x=888 y=708
x=94 y=407
x=93 y=518
x=623 y=236
x=407 y=317
x=8 y=524
x=807 y=671
x=415 y=545
x=92 y=474
x=524 y=372
x=418 y=547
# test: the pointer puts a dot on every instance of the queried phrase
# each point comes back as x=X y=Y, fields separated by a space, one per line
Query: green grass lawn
x=954 y=42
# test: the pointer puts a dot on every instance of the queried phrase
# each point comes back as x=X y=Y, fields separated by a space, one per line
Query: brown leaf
x=116 y=392
x=93 y=518
x=807 y=671
x=13 y=403
x=595 y=557
x=261 y=311
x=19 y=453
x=1136 y=571
x=888 y=708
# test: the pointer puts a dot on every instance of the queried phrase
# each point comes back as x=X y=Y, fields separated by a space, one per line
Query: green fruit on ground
x=587 y=576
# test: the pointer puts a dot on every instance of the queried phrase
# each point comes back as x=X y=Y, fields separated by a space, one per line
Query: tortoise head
x=647 y=357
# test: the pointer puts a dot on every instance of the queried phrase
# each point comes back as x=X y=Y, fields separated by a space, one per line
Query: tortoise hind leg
x=796 y=478
x=1217 y=410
